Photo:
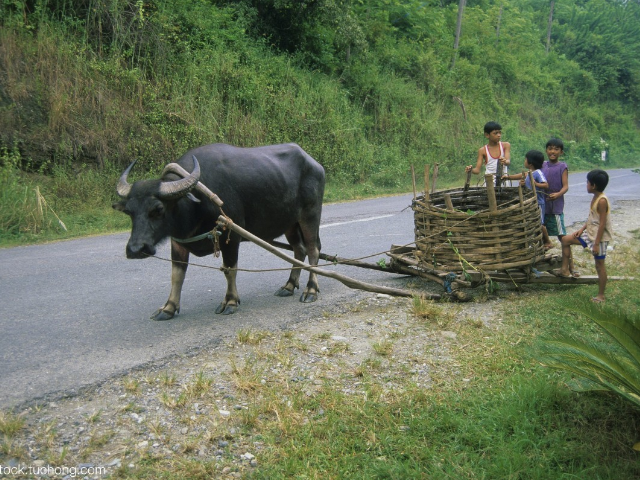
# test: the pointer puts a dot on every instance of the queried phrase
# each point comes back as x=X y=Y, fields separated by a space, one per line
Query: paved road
x=75 y=313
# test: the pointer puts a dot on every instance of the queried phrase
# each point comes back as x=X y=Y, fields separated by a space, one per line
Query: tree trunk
x=549 y=26
x=461 y=5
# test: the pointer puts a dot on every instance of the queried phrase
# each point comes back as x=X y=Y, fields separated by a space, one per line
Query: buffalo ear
x=119 y=206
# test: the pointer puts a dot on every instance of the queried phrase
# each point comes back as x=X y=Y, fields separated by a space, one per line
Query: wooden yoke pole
x=349 y=282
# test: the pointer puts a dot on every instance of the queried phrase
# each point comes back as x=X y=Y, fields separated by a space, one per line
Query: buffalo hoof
x=284 y=292
x=309 y=297
x=160 y=315
x=226 y=309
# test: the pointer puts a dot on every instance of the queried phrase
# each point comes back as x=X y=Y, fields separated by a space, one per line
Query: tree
x=456 y=43
x=549 y=25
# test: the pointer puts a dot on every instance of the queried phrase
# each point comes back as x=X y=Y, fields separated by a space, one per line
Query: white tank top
x=491 y=163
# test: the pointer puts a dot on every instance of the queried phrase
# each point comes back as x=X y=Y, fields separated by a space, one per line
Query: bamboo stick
x=413 y=181
x=435 y=178
x=349 y=282
x=426 y=183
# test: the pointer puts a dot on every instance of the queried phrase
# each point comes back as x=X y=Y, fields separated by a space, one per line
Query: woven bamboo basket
x=486 y=228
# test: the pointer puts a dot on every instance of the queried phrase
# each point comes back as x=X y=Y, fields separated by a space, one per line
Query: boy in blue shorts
x=595 y=234
x=533 y=160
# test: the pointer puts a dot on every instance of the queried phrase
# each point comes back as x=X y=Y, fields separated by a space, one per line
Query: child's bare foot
x=597 y=299
x=558 y=272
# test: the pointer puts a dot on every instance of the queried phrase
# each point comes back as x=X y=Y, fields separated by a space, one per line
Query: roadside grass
x=504 y=416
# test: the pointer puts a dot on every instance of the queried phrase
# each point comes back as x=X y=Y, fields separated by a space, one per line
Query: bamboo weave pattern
x=457 y=226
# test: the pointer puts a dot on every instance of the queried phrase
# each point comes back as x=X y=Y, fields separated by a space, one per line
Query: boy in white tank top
x=493 y=153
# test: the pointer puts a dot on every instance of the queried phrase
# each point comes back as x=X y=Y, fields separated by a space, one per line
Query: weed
x=94 y=417
x=132 y=385
x=251 y=337
x=11 y=448
x=167 y=379
x=172 y=402
x=337 y=348
x=199 y=385
x=10 y=424
x=384 y=348
x=427 y=310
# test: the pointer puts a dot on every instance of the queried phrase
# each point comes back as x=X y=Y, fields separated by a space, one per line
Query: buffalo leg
x=294 y=237
x=179 y=264
x=231 y=299
x=311 y=240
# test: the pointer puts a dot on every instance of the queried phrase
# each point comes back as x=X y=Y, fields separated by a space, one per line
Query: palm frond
x=613 y=365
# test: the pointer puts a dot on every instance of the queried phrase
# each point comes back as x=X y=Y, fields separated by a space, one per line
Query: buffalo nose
x=140 y=251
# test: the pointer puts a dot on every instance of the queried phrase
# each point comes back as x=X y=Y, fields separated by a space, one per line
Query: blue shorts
x=555 y=224
x=602 y=247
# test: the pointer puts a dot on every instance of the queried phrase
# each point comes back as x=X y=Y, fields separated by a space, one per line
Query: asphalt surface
x=76 y=313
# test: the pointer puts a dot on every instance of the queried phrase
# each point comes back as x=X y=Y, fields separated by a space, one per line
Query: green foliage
x=365 y=86
x=612 y=365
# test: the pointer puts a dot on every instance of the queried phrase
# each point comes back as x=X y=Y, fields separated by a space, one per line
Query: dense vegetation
x=368 y=87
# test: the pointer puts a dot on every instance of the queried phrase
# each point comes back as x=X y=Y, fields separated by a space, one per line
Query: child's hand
x=468 y=168
x=595 y=249
x=502 y=160
x=505 y=177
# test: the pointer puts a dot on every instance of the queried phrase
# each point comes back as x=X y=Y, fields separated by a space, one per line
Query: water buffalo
x=270 y=191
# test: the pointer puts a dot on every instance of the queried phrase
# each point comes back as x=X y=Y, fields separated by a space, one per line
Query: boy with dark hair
x=557 y=175
x=492 y=154
x=595 y=234
x=533 y=160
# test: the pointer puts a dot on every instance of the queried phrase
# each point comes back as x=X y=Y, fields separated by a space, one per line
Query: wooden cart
x=464 y=238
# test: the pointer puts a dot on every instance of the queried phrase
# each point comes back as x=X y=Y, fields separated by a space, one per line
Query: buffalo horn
x=124 y=188
x=179 y=188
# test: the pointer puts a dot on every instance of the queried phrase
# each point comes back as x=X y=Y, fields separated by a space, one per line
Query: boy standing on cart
x=495 y=155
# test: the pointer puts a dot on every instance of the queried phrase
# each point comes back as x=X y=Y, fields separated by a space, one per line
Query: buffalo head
x=151 y=204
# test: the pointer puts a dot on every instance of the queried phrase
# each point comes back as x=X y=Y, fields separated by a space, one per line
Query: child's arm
x=602 y=210
x=476 y=170
x=506 y=159
x=517 y=176
x=543 y=185
x=565 y=186
x=578 y=233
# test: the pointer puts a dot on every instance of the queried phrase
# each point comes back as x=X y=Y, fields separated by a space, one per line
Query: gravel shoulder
x=193 y=406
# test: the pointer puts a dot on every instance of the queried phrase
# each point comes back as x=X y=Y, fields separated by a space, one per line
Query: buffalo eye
x=156 y=211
